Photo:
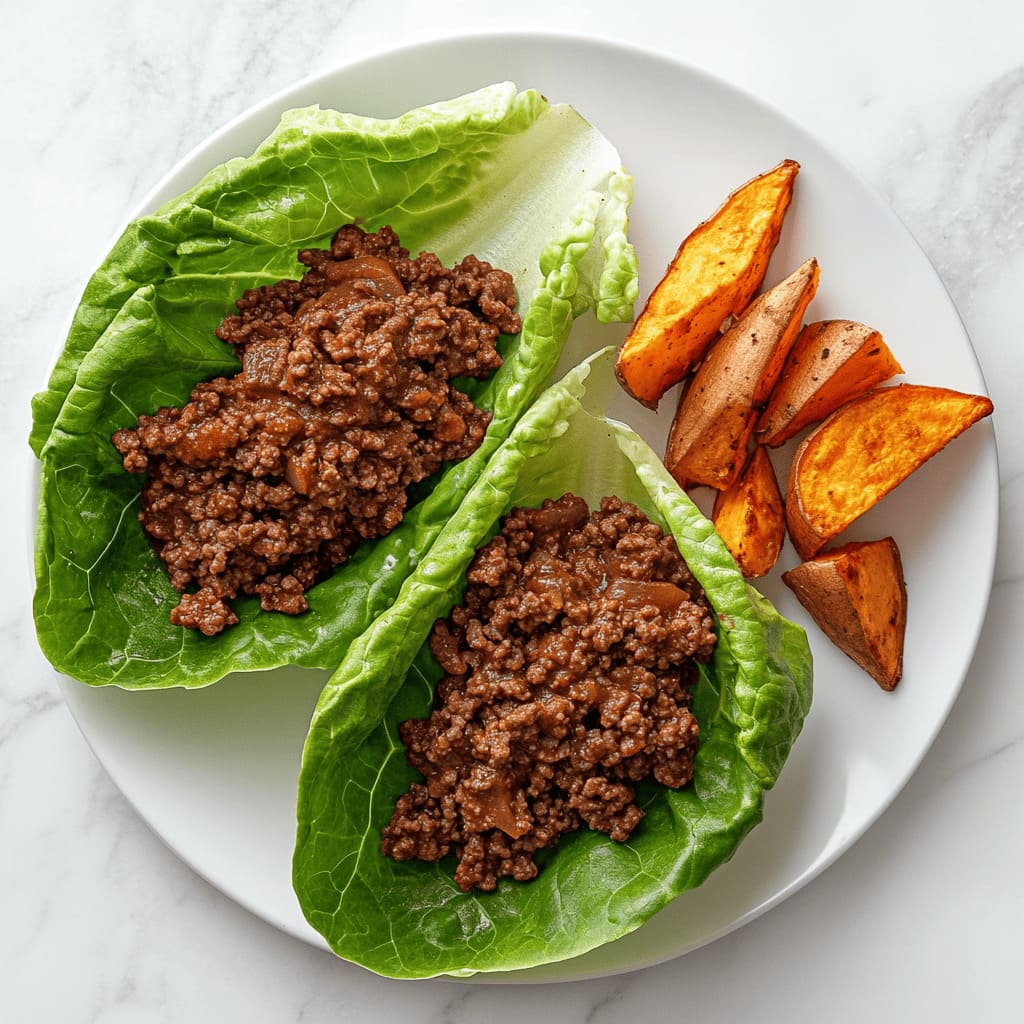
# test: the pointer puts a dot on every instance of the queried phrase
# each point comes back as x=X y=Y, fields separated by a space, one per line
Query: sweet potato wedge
x=831 y=362
x=716 y=414
x=714 y=274
x=863 y=450
x=750 y=518
x=858 y=596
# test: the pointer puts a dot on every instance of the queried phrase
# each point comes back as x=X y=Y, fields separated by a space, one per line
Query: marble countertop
x=101 y=922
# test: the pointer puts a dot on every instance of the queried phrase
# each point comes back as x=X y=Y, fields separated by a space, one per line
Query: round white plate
x=214 y=771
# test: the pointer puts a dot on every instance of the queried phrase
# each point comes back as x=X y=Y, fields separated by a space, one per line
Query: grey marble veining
x=970 y=217
x=101 y=922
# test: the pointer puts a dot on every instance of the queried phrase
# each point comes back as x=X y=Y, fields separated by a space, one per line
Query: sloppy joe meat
x=568 y=669
x=265 y=481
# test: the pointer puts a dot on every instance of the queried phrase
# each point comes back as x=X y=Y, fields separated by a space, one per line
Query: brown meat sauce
x=265 y=481
x=568 y=669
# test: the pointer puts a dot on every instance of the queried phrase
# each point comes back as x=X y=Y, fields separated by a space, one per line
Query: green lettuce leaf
x=410 y=919
x=530 y=186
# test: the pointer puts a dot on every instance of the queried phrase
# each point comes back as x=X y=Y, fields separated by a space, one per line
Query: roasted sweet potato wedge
x=830 y=363
x=863 y=450
x=715 y=418
x=750 y=518
x=717 y=270
x=858 y=596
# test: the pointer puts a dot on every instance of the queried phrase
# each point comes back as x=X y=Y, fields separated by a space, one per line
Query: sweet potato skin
x=716 y=271
x=750 y=517
x=863 y=450
x=831 y=363
x=857 y=595
x=715 y=418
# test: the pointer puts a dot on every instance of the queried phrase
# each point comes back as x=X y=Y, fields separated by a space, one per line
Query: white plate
x=214 y=771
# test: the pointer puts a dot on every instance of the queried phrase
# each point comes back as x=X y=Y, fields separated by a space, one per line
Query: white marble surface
x=99 y=921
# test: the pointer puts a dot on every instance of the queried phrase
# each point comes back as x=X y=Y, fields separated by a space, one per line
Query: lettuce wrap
x=410 y=919
x=529 y=186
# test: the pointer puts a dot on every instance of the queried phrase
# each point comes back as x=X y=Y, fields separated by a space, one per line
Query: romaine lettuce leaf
x=410 y=919
x=500 y=173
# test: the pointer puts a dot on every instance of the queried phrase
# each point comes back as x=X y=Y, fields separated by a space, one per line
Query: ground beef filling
x=265 y=481
x=568 y=672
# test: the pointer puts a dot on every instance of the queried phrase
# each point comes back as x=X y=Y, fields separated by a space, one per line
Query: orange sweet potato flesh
x=863 y=450
x=713 y=424
x=831 y=362
x=750 y=517
x=858 y=597
x=717 y=270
